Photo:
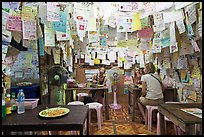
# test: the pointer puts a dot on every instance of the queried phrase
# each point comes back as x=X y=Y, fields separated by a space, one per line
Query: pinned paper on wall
x=158 y=22
x=136 y=22
x=145 y=33
x=145 y=23
x=29 y=13
x=56 y=56
x=14 y=23
x=49 y=37
x=163 y=6
x=180 y=25
x=167 y=63
x=29 y=30
x=61 y=24
x=157 y=45
x=172 y=15
x=124 y=24
x=129 y=6
x=179 y=5
x=165 y=37
x=173 y=47
x=92 y=36
x=112 y=56
x=195 y=45
x=91 y=25
x=145 y=44
x=41 y=46
x=96 y=61
x=103 y=41
x=182 y=63
x=190 y=12
x=105 y=62
x=14 y=5
x=53 y=11
x=63 y=36
x=190 y=32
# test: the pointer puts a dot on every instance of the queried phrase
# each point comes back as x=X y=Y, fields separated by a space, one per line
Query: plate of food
x=54 y=112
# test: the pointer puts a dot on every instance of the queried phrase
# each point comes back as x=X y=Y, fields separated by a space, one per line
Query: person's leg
x=141 y=106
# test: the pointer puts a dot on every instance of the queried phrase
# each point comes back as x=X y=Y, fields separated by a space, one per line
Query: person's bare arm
x=144 y=88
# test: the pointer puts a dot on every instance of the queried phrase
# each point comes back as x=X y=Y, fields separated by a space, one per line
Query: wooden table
x=180 y=118
x=136 y=93
x=31 y=121
x=99 y=89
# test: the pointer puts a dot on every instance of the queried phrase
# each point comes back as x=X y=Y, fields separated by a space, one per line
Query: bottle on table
x=21 y=100
x=3 y=102
x=8 y=104
x=13 y=102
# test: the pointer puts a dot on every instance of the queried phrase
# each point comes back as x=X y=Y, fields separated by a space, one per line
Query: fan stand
x=115 y=105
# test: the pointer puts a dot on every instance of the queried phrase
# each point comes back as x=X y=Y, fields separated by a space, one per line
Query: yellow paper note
x=96 y=61
x=136 y=24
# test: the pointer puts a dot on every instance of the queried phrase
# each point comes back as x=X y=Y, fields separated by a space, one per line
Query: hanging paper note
x=91 y=26
x=124 y=24
x=195 y=46
x=190 y=12
x=49 y=37
x=29 y=13
x=180 y=25
x=61 y=24
x=158 y=22
x=53 y=11
x=29 y=30
x=14 y=5
x=136 y=22
x=190 y=32
x=14 y=23
x=145 y=22
x=92 y=36
x=41 y=46
x=172 y=15
x=96 y=61
x=145 y=33
x=165 y=37
x=63 y=36
x=103 y=41
x=179 y=5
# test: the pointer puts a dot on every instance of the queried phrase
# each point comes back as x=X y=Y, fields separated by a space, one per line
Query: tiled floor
x=120 y=123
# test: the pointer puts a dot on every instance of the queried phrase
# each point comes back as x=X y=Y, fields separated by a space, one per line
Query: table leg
x=190 y=129
x=133 y=106
x=106 y=105
x=129 y=104
x=87 y=123
x=162 y=126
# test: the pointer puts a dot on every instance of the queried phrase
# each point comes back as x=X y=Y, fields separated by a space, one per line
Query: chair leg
x=158 y=124
x=98 y=118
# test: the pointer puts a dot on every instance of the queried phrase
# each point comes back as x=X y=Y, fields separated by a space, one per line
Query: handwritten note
x=145 y=33
x=29 y=30
x=172 y=15
x=53 y=11
x=158 y=22
x=49 y=37
x=14 y=23
x=190 y=12
x=136 y=23
x=180 y=25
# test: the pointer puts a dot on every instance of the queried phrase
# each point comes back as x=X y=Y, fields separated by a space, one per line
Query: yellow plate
x=54 y=112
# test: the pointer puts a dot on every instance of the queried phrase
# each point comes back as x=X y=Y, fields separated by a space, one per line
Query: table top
x=134 y=87
x=31 y=121
x=174 y=109
x=88 y=88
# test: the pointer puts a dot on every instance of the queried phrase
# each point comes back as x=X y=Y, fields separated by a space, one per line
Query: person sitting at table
x=136 y=76
x=152 y=93
x=98 y=79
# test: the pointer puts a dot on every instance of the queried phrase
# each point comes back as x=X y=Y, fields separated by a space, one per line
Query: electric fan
x=57 y=77
x=114 y=75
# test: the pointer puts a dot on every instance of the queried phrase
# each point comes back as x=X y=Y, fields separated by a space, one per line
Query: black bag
x=88 y=99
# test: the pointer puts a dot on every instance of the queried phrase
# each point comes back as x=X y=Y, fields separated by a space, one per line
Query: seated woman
x=98 y=79
x=136 y=76
x=152 y=93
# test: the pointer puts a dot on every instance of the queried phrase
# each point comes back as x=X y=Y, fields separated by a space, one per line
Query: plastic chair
x=98 y=107
x=178 y=131
x=80 y=95
x=75 y=103
x=148 y=113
